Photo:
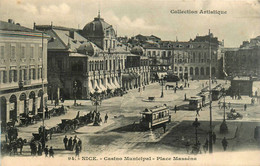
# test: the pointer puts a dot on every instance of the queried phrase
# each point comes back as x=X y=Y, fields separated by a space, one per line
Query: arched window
x=191 y=71
x=196 y=71
x=202 y=71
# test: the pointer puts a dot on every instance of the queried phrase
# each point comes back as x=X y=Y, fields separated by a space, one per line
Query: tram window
x=154 y=116
x=162 y=114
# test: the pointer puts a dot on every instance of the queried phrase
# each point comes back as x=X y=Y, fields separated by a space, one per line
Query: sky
x=147 y=17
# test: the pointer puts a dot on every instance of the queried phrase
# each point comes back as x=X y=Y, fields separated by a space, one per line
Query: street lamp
x=162 y=83
x=96 y=100
x=75 y=89
x=196 y=124
x=223 y=126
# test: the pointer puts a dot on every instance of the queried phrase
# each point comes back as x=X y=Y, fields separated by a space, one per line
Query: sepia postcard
x=130 y=82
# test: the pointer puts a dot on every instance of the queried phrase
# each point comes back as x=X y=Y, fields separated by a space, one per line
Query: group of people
x=37 y=148
x=73 y=144
x=196 y=148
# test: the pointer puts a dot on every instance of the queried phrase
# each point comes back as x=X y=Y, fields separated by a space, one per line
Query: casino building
x=80 y=61
x=23 y=59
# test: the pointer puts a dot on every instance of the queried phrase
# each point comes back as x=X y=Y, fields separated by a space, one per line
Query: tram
x=195 y=102
x=155 y=117
x=205 y=98
x=217 y=92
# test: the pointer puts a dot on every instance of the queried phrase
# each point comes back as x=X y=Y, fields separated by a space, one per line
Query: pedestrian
x=175 y=109
x=139 y=89
x=206 y=146
x=51 y=132
x=197 y=110
x=70 y=144
x=255 y=93
x=185 y=97
x=164 y=128
x=74 y=142
x=175 y=89
x=143 y=88
x=224 y=143
x=46 y=112
x=77 y=151
x=46 y=151
x=65 y=141
x=219 y=104
x=80 y=145
x=51 y=152
x=245 y=107
x=200 y=107
x=106 y=118
x=214 y=137
x=229 y=105
x=188 y=85
x=39 y=149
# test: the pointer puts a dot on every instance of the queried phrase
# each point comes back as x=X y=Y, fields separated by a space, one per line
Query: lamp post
x=223 y=126
x=75 y=89
x=162 y=83
x=196 y=124
x=96 y=100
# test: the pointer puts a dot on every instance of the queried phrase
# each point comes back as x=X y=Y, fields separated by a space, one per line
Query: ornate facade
x=23 y=67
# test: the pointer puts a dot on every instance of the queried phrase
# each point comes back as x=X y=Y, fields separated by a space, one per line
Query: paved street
x=118 y=136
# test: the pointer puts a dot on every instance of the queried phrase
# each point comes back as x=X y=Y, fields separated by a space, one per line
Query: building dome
x=138 y=50
x=98 y=28
x=88 y=49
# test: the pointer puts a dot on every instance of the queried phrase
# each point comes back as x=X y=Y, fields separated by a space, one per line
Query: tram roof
x=154 y=109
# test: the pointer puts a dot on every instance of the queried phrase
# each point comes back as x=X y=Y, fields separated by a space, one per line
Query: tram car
x=195 y=102
x=205 y=98
x=217 y=93
x=155 y=117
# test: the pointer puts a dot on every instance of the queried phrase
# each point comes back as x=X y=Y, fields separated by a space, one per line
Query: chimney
x=11 y=21
x=71 y=34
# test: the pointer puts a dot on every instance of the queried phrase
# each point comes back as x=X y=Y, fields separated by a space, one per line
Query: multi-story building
x=246 y=59
x=192 y=58
x=186 y=59
x=161 y=59
x=82 y=60
x=23 y=70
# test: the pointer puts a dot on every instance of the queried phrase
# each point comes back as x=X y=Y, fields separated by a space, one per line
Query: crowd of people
x=73 y=144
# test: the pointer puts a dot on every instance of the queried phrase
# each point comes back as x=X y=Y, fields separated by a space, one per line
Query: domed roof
x=138 y=50
x=88 y=49
x=98 y=28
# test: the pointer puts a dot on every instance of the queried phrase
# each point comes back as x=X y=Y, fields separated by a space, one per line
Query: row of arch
x=9 y=106
x=197 y=70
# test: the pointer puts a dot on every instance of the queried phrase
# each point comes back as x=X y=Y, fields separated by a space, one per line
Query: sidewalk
x=26 y=131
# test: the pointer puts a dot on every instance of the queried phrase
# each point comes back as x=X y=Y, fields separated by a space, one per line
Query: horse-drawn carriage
x=57 y=111
x=233 y=115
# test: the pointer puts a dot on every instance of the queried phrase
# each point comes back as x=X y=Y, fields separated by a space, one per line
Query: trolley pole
x=210 y=103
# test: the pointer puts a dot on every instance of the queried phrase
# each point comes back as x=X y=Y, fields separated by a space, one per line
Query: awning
x=97 y=86
x=102 y=86
x=110 y=86
x=90 y=87
x=113 y=85
x=117 y=84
